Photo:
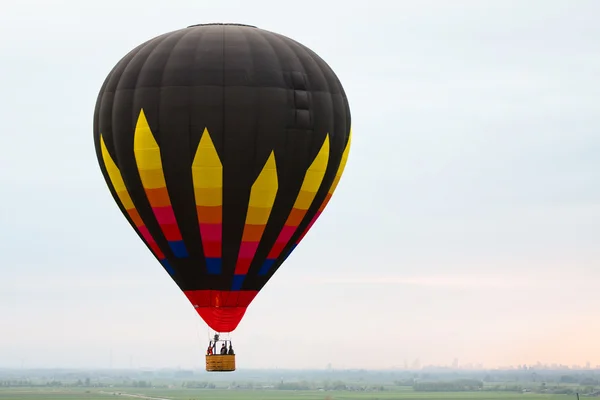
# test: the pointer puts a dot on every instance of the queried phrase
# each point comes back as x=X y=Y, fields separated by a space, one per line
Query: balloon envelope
x=221 y=144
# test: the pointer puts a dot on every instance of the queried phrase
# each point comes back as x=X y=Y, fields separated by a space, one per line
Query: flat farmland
x=211 y=394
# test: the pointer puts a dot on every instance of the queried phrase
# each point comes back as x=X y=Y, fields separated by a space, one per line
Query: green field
x=204 y=394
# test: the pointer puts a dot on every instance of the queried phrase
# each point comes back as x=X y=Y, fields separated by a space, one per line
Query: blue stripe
x=166 y=265
x=290 y=251
x=264 y=269
x=213 y=265
x=268 y=264
x=237 y=282
x=178 y=248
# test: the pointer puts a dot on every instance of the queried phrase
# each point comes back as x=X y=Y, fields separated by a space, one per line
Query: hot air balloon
x=221 y=144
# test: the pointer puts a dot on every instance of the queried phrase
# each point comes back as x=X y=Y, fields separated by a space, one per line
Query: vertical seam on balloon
x=283 y=42
x=267 y=39
x=308 y=91
x=331 y=132
x=255 y=159
x=223 y=141
x=320 y=63
x=113 y=117
x=288 y=248
x=137 y=79
x=256 y=117
x=320 y=71
x=185 y=252
x=223 y=119
x=199 y=45
x=162 y=75
x=164 y=70
x=158 y=40
x=308 y=88
x=171 y=49
x=255 y=149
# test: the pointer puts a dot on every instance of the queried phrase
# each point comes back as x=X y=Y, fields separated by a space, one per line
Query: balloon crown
x=222 y=23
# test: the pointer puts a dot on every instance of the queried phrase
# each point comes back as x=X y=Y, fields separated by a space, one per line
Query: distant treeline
x=459 y=385
x=464 y=385
x=549 y=382
x=293 y=385
x=78 y=383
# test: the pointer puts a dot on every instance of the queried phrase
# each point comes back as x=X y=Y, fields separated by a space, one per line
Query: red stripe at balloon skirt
x=221 y=310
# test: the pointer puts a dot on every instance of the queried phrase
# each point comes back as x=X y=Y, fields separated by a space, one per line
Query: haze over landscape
x=466 y=225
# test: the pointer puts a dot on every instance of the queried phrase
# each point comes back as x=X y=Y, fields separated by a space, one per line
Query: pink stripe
x=165 y=215
x=146 y=234
x=286 y=233
x=247 y=249
x=156 y=251
x=211 y=232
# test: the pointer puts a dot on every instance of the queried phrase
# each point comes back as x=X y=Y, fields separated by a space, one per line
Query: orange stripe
x=158 y=197
x=327 y=198
x=209 y=215
x=295 y=217
x=252 y=233
x=135 y=217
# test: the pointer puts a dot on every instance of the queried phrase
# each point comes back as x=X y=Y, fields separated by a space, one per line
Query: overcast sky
x=467 y=223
